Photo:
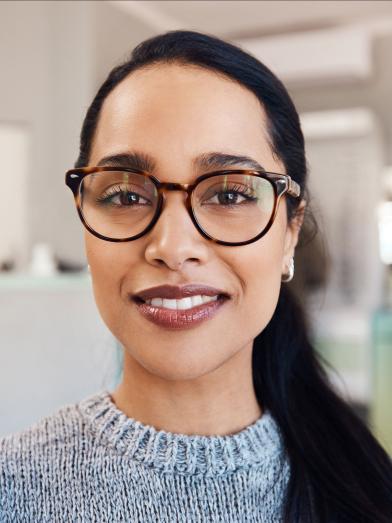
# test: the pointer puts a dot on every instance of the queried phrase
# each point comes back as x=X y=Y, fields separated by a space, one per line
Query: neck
x=220 y=402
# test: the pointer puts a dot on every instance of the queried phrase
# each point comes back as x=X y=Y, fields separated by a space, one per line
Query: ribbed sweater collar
x=259 y=443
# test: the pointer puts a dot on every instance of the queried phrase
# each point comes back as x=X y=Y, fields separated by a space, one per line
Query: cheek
x=263 y=296
x=261 y=271
x=109 y=263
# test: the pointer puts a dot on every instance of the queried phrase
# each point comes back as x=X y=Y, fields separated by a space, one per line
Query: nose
x=174 y=240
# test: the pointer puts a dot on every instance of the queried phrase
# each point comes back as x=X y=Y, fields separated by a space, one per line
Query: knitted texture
x=89 y=462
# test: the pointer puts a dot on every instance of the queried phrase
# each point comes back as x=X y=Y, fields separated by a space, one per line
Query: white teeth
x=206 y=299
x=169 y=304
x=197 y=300
x=184 y=303
x=157 y=302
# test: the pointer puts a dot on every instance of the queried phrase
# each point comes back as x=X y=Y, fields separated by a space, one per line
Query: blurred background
x=334 y=58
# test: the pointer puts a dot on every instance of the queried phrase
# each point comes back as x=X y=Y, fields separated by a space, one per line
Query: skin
x=198 y=380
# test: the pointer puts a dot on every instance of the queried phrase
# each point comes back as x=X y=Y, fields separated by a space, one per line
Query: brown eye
x=129 y=198
x=117 y=196
x=228 y=197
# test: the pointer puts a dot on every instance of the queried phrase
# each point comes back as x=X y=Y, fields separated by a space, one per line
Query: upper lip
x=178 y=292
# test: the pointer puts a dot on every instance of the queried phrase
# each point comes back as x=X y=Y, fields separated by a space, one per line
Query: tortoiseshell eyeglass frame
x=281 y=183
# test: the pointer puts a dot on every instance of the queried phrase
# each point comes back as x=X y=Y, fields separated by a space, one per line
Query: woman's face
x=175 y=113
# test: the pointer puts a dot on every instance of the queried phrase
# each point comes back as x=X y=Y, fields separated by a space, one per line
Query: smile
x=180 y=306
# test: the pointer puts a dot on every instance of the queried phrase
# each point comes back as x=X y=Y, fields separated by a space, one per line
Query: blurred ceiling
x=252 y=19
x=291 y=36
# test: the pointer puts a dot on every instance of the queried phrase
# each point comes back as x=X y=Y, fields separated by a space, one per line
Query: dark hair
x=339 y=472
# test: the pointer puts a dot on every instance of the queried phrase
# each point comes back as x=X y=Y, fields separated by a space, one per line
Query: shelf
x=60 y=281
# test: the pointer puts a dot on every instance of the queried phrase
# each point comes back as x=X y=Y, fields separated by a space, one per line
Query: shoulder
x=50 y=430
x=32 y=459
x=43 y=444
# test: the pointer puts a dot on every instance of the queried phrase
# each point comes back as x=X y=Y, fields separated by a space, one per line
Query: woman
x=190 y=183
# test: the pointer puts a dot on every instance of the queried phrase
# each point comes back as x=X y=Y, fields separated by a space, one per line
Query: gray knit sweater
x=89 y=462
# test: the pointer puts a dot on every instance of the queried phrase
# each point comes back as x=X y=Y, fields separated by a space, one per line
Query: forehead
x=176 y=111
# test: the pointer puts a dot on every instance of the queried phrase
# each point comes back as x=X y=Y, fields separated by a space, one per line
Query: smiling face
x=175 y=114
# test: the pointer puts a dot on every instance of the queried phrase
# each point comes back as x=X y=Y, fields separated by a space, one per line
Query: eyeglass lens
x=228 y=207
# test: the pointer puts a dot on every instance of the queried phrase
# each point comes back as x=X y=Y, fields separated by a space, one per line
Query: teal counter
x=381 y=408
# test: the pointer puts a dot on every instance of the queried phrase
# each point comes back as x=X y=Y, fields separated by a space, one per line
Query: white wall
x=54 y=349
x=15 y=142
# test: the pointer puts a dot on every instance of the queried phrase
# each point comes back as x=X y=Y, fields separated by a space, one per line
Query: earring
x=289 y=276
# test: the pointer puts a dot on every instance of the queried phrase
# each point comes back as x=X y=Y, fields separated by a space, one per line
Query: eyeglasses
x=229 y=207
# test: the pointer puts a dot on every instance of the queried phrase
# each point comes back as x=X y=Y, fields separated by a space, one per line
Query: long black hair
x=339 y=472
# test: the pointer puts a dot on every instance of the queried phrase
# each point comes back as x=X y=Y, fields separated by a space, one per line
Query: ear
x=292 y=235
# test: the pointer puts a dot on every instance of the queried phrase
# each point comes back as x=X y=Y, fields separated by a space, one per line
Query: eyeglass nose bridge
x=170 y=186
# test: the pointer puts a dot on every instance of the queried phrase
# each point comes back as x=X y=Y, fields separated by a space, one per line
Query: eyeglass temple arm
x=293 y=188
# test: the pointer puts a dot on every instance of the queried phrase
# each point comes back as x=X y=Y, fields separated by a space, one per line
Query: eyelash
x=238 y=189
x=114 y=191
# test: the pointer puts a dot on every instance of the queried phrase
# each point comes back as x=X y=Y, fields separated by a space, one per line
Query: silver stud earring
x=290 y=274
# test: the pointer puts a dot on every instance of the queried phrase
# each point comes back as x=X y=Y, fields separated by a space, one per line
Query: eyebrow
x=204 y=162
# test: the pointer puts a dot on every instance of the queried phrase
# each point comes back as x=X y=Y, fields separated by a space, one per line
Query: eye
x=120 y=196
x=234 y=195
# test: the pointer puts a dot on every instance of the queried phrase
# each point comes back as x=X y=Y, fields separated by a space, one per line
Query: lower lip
x=181 y=319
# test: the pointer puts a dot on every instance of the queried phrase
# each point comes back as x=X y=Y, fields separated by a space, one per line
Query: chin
x=178 y=357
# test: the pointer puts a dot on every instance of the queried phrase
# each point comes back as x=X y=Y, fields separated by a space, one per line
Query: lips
x=179 y=307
